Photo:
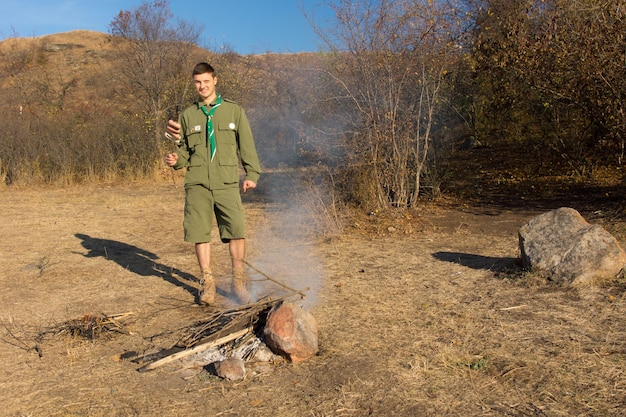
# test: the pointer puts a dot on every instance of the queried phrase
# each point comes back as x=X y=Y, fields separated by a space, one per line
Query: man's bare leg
x=207 y=292
x=203 y=253
x=237 y=249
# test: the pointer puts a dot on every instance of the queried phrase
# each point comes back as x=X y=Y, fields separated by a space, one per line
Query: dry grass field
x=420 y=314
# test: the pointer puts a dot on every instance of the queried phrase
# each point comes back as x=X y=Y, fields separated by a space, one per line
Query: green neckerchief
x=210 y=132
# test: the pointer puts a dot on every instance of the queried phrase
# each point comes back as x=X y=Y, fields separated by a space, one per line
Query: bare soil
x=422 y=313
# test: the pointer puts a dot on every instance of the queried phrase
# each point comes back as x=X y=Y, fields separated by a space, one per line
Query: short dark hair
x=203 y=68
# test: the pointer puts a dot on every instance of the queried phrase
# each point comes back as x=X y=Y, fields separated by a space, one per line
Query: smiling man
x=212 y=134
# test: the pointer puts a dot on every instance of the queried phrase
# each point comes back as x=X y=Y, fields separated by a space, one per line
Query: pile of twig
x=90 y=326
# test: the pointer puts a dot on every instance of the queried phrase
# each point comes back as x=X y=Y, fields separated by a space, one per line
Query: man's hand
x=248 y=185
x=171 y=159
x=173 y=128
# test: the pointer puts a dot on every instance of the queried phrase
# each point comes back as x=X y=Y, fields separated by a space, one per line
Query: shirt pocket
x=194 y=137
x=195 y=143
x=226 y=138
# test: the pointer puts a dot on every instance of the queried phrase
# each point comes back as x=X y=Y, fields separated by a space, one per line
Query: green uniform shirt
x=234 y=140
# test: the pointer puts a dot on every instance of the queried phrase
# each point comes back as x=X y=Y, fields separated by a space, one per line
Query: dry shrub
x=357 y=185
x=74 y=148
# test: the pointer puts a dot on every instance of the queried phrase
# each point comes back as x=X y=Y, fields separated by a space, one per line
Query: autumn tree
x=390 y=60
x=551 y=72
x=159 y=55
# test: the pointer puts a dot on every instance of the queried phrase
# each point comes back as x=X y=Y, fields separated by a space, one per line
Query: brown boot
x=206 y=295
x=239 y=289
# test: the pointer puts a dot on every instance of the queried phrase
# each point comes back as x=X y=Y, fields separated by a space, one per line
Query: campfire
x=271 y=324
x=232 y=331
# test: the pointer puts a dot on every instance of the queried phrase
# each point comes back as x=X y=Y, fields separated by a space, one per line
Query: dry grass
x=430 y=318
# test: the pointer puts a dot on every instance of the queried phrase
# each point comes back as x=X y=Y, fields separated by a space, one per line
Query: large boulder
x=292 y=332
x=562 y=245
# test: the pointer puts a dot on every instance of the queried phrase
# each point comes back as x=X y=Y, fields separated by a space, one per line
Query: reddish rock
x=290 y=331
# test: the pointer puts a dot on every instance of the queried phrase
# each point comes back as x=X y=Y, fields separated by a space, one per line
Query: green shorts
x=202 y=205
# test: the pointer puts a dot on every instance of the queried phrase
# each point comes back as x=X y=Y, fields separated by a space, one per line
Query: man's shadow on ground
x=489 y=263
x=136 y=260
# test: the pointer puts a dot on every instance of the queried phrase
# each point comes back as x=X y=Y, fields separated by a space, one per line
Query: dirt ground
x=424 y=315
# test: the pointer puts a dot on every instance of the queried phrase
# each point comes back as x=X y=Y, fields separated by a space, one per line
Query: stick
x=514 y=307
x=302 y=294
x=195 y=349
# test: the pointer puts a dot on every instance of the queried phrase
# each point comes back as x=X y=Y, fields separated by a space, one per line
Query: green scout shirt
x=234 y=140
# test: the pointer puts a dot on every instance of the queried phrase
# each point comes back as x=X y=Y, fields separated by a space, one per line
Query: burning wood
x=195 y=349
x=221 y=328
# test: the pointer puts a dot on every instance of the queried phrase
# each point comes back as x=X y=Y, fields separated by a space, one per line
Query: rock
x=290 y=331
x=263 y=354
x=232 y=368
x=567 y=249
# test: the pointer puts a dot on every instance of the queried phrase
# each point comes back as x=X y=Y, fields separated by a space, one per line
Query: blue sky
x=247 y=26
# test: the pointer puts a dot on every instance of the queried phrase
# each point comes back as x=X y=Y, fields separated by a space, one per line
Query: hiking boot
x=206 y=295
x=238 y=288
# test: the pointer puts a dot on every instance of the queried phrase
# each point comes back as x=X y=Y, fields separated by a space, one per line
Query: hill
x=73 y=53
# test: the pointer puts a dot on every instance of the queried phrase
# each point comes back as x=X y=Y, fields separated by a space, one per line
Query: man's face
x=205 y=86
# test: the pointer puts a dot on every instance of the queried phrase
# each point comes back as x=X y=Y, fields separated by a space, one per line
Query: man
x=212 y=134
